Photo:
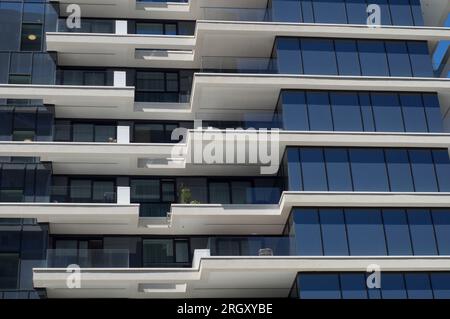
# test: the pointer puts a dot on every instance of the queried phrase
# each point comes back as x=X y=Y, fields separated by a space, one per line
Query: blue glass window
x=307 y=10
x=346 y=112
x=313 y=169
x=423 y=171
x=374 y=293
x=441 y=285
x=333 y=232
x=319 y=286
x=442 y=167
x=366 y=112
x=397 y=54
x=10 y=24
x=286 y=11
x=397 y=232
x=353 y=111
x=413 y=113
x=441 y=221
x=370 y=231
x=319 y=111
x=387 y=112
x=44 y=69
x=33 y=12
x=368 y=170
x=433 y=112
x=4 y=67
x=288 y=56
x=385 y=13
x=307 y=232
x=365 y=232
x=353 y=286
x=347 y=57
x=356 y=11
x=399 y=170
x=420 y=59
x=418 y=286
x=318 y=56
x=416 y=10
x=373 y=59
x=401 y=12
x=295 y=174
x=393 y=286
x=422 y=232
x=338 y=170
x=295 y=113
x=329 y=11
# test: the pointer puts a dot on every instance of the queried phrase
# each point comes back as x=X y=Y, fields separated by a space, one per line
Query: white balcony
x=76 y=101
x=119 y=50
x=122 y=217
x=226 y=38
x=433 y=10
x=254 y=219
x=212 y=38
x=271 y=219
x=218 y=277
x=125 y=158
x=77 y=215
x=232 y=95
x=93 y=158
x=172 y=10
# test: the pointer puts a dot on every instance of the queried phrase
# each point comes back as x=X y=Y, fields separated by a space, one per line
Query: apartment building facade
x=109 y=107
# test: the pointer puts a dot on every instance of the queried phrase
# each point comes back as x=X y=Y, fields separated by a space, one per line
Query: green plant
x=185 y=195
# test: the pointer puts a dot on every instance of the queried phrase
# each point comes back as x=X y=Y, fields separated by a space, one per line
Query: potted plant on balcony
x=186 y=196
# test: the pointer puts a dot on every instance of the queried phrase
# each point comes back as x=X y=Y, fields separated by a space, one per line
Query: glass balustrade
x=249 y=246
x=101 y=193
x=88 y=26
x=88 y=258
x=259 y=65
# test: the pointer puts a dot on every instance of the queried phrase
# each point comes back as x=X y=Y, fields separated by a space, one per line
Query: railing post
x=120 y=78
x=121 y=27
x=123 y=134
x=198 y=255
x=123 y=195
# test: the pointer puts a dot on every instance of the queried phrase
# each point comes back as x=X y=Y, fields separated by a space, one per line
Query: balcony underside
x=435 y=12
x=212 y=38
x=71 y=101
x=214 y=96
x=232 y=95
x=177 y=159
x=133 y=50
x=206 y=219
x=81 y=214
x=213 y=277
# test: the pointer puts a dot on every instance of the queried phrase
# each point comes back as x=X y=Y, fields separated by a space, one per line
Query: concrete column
x=123 y=195
x=121 y=27
x=123 y=134
x=120 y=78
